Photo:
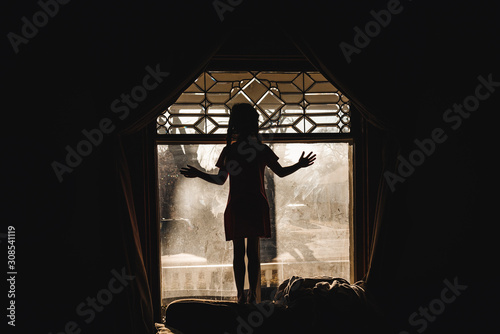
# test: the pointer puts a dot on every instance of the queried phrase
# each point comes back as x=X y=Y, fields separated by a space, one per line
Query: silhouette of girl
x=247 y=213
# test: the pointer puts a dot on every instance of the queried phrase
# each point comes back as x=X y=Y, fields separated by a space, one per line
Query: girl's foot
x=241 y=298
x=252 y=297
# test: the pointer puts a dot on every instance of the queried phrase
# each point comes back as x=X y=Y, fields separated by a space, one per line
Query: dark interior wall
x=438 y=218
x=72 y=234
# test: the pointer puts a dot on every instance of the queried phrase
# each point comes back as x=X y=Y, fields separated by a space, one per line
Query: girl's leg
x=239 y=267
x=253 y=253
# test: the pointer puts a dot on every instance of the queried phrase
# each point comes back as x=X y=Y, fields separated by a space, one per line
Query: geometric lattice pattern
x=287 y=102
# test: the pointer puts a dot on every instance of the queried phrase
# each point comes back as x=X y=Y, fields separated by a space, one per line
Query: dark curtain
x=136 y=164
x=364 y=76
x=328 y=66
x=76 y=234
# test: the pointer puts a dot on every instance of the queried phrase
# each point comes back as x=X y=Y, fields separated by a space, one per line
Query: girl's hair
x=244 y=121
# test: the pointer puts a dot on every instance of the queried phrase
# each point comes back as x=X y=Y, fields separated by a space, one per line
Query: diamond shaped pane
x=240 y=97
x=299 y=81
x=299 y=125
x=303 y=81
x=210 y=125
x=206 y=125
x=308 y=124
x=308 y=81
x=201 y=125
x=270 y=103
x=255 y=89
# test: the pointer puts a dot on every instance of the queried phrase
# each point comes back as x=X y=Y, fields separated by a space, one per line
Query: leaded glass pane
x=230 y=76
x=193 y=89
x=239 y=97
x=289 y=120
x=327 y=108
x=322 y=87
x=161 y=120
x=161 y=130
x=285 y=87
x=278 y=76
x=255 y=89
x=191 y=98
x=219 y=110
x=184 y=120
x=325 y=120
x=292 y=98
x=221 y=87
x=217 y=97
x=185 y=109
x=322 y=97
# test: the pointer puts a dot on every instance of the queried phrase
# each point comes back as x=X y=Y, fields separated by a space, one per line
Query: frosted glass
x=313 y=210
x=310 y=211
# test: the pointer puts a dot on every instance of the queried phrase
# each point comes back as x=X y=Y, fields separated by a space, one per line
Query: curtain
x=388 y=159
x=358 y=79
x=135 y=149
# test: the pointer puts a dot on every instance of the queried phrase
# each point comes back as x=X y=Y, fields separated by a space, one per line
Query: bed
x=299 y=305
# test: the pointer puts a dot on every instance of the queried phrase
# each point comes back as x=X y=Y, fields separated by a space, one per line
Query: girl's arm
x=192 y=172
x=302 y=163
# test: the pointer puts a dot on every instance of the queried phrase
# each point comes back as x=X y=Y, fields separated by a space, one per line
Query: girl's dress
x=247 y=210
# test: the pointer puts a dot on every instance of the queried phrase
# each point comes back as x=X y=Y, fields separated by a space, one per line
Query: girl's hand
x=307 y=160
x=190 y=171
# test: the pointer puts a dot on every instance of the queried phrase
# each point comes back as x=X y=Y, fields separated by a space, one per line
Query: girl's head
x=244 y=121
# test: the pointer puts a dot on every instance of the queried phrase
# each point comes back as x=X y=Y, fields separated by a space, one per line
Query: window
x=287 y=102
x=311 y=210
